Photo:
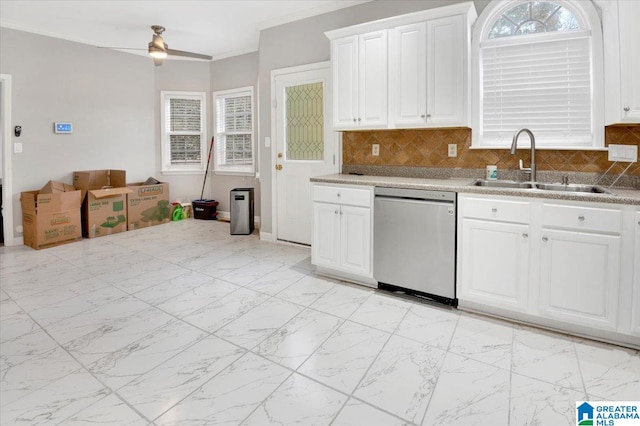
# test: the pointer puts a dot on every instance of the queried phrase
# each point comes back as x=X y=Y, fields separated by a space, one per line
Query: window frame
x=166 y=167
x=589 y=19
x=221 y=168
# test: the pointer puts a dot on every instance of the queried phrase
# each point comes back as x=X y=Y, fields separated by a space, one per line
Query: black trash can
x=242 y=211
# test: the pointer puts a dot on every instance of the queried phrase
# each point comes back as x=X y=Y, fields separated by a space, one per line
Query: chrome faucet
x=514 y=145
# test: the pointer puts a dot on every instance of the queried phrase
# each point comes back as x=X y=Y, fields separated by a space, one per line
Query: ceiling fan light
x=155 y=52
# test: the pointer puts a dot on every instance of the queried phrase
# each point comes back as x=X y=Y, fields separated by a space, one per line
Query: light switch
x=17 y=147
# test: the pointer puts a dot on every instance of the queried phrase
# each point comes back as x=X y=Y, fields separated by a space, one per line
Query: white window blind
x=234 y=130
x=183 y=131
x=544 y=85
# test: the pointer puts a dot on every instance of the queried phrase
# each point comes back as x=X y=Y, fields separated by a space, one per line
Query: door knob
x=278 y=166
x=279 y=155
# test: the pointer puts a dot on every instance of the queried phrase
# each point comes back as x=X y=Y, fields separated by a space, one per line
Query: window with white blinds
x=183 y=131
x=234 y=130
x=536 y=76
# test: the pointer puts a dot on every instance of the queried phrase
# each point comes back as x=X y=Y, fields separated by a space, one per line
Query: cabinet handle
x=422 y=116
x=338 y=195
x=341 y=212
x=494 y=210
x=545 y=239
x=627 y=109
x=359 y=120
x=581 y=218
x=336 y=212
x=525 y=235
x=354 y=119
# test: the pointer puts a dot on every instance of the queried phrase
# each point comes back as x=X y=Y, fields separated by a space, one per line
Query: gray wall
x=232 y=73
x=113 y=100
x=303 y=42
x=107 y=95
x=190 y=76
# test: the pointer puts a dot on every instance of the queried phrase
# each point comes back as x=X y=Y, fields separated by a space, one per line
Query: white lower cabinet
x=342 y=229
x=556 y=263
x=635 y=323
x=494 y=253
x=579 y=277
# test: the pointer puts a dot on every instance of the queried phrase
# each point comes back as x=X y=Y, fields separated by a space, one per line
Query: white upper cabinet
x=419 y=79
x=408 y=59
x=445 y=72
x=621 y=33
x=344 y=53
x=629 y=30
x=360 y=76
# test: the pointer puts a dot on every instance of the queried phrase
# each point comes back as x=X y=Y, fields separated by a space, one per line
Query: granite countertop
x=461 y=185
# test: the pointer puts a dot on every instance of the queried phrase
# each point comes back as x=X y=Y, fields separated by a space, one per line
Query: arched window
x=538 y=64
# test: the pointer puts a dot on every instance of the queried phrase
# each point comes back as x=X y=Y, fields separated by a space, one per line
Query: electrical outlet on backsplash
x=424 y=153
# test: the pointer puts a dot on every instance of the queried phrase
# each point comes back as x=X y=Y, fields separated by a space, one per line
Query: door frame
x=7 y=184
x=336 y=137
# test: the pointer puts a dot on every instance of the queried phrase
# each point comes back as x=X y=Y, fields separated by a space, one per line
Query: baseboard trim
x=266 y=236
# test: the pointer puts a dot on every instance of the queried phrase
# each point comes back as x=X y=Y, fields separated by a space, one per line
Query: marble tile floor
x=184 y=324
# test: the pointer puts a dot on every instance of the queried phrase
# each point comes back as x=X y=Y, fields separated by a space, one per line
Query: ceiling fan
x=159 y=50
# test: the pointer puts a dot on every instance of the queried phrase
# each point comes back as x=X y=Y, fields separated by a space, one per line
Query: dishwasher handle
x=412 y=200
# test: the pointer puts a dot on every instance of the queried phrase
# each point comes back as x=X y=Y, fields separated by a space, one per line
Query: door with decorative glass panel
x=305 y=145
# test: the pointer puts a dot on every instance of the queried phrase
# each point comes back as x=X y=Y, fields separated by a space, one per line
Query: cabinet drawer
x=500 y=210
x=342 y=195
x=582 y=218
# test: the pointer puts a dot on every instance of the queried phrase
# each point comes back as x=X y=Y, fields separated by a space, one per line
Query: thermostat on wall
x=63 y=127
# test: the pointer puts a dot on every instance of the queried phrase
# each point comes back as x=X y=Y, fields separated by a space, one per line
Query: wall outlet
x=19 y=229
x=375 y=149
x=453 y=150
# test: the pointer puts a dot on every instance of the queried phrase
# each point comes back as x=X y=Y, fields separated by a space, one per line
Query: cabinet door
x=629 y=33
x=410 y=75
x=494 y=263
x=372 y=80
x=445 y=72
x=579 y=276
x=635 y=325
x=326 y=235
x=355 y=240
x=344 y=54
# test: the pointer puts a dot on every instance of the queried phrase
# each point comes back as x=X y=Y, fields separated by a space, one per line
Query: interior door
x=305 y=147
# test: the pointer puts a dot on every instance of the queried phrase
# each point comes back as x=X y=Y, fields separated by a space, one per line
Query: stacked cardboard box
x=51 y=216
x=148 y=204
x=104 y=209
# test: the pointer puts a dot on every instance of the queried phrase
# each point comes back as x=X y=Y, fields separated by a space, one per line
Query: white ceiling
x=213 y=27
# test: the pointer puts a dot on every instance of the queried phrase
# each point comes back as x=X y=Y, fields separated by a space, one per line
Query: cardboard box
x=104 y=206
x=148 y=205
x=51 y=219
x=53 y=187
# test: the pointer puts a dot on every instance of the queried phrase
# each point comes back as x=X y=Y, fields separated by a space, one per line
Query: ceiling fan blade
x=157 y=62
x=174 y=52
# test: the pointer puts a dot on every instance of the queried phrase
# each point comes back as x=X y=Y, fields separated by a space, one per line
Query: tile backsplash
x=429 y=148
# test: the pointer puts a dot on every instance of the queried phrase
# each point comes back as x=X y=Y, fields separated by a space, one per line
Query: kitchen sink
x=501 y=184
x=588 y=189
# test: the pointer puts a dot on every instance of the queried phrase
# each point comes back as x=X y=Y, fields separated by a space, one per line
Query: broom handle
x=207 y=171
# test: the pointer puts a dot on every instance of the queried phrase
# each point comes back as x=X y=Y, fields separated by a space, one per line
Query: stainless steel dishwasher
x=414 y=246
